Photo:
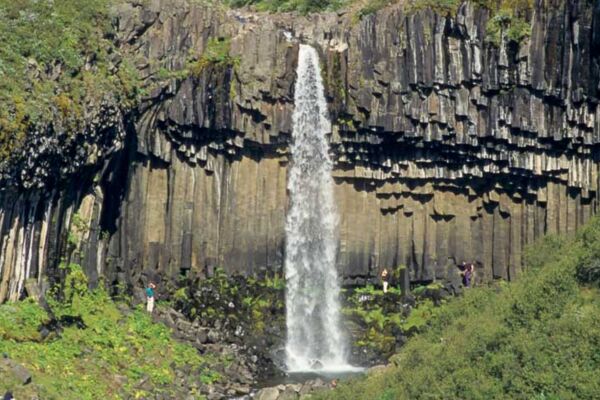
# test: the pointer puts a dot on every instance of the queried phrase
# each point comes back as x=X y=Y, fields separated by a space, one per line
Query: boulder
x=289 y=394
x=267 y=394
x=15 y=370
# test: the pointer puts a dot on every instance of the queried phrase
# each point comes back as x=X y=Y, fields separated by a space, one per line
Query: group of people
x=467 y=271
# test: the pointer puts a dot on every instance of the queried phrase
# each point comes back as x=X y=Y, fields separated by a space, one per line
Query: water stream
x=314 y=338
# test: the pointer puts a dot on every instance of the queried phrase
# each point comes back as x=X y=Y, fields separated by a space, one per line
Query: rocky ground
x=237 y=325
x=240 y=376
x=291 y=391
x=244 y=319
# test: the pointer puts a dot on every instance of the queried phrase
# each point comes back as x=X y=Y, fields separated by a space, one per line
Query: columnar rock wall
x=445 y=146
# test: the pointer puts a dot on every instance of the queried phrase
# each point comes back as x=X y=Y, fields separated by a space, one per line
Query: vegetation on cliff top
x=117 y=353
x=538 y=338
x=59 y=59
x=508 y=18
x=56 y=57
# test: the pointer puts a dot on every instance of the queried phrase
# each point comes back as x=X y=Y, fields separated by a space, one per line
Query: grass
x=117 y=355
x=538 y=338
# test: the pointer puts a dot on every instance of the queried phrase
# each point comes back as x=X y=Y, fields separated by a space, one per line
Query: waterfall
x=314 y=337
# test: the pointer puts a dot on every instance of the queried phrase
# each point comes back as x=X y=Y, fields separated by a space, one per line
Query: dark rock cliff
x=445 y=146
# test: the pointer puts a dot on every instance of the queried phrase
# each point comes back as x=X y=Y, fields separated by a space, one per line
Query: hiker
x=385 y=277
x=150 y=297
x=467 y=273
x=472 y=276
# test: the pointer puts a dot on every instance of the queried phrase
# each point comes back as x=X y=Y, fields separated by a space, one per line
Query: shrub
x=216 y=54
x=508 y=20
x=20 y=321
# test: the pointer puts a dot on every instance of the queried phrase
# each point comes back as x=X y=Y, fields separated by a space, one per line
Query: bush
x=216 y=54
x=508 y=20
x=588 y=267
x=372 y=7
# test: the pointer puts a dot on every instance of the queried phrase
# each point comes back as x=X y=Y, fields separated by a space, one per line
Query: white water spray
x=314 y=338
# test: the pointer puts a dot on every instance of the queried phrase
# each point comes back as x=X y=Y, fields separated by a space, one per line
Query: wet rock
x=241 y=389
x=376 y=369
x=311 y=385
x=213 y=336
x=289 y=394
x=202 y=335
x=267 y=394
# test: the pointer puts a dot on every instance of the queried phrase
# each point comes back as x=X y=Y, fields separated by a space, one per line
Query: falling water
x=314 y=338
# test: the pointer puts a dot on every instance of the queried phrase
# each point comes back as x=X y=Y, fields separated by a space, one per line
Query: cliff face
x=444 y=146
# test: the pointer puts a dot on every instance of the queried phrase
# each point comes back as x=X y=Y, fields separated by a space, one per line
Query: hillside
x=87 y=346
x=538 y=338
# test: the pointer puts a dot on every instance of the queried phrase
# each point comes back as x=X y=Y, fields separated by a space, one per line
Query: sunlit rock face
x=443 y=146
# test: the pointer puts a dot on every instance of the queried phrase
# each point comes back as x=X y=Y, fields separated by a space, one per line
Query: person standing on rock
x=385 y=278
x=150 y=297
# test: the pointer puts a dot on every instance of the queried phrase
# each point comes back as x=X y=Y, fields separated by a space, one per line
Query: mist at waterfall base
x=315 y=341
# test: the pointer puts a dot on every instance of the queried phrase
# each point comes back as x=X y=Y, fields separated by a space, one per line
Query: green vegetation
x=507 y=19
x=216 y=54
x=19 y=322
x=371 y=7
x=215 y=57
x=442 y=7
x=538 y=338
x=118 y=354
x=303 y=6
x=59 y=59
x=249 y=302
x=56 y=57
x=77 y=230
x=376 y=319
